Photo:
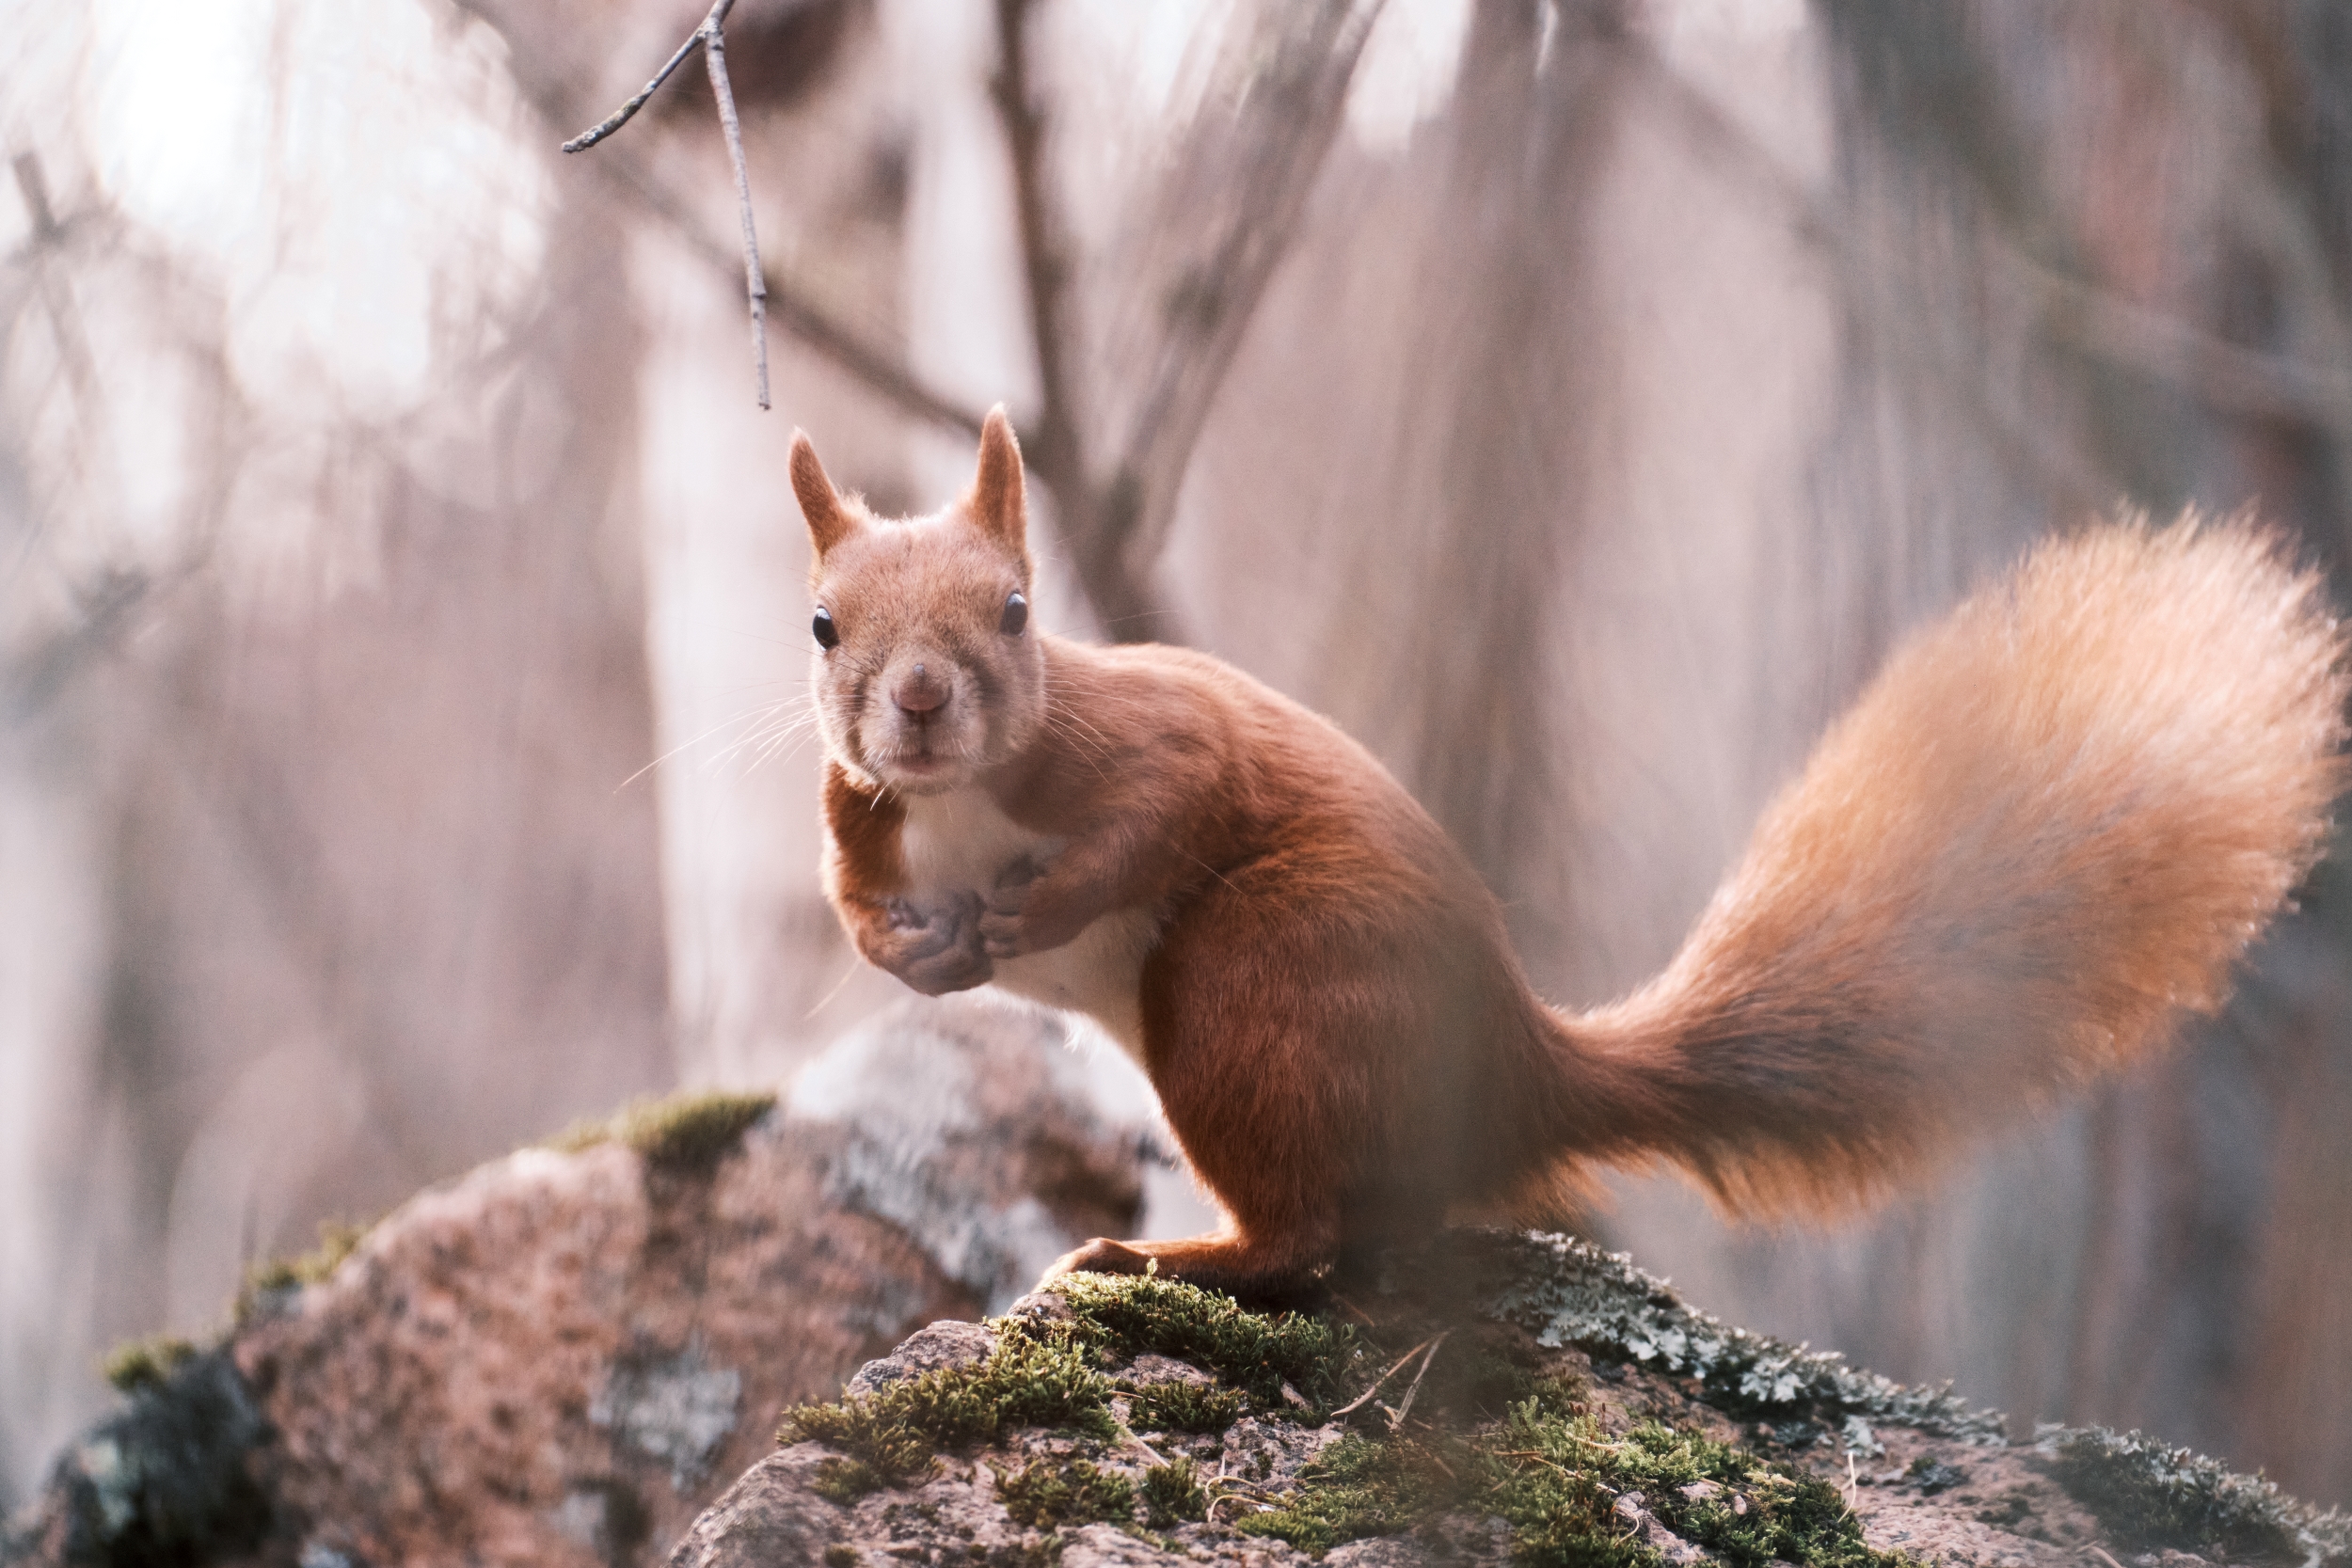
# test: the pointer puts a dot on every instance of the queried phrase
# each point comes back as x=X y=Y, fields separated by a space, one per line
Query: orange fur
x=2047 y=829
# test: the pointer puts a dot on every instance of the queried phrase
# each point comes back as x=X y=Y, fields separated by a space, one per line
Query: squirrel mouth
x=921 y=759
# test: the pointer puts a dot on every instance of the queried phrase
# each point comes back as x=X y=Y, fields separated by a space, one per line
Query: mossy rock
x=1526 y=1385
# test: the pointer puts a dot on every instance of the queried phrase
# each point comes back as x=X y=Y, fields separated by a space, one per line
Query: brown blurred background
x=1574 y=398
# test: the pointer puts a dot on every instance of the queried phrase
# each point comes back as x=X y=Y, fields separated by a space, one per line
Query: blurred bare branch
x=2225 y=376
x=57 y=299
x=1262 y=159
x=108 y=605
x=1223 y=216
x=1054 y=448
x=881 y=370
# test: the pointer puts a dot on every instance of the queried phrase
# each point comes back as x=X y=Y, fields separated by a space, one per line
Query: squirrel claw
x=1002 y=931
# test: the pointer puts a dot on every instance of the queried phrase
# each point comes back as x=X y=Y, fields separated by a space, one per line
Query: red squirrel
x=2047 y=829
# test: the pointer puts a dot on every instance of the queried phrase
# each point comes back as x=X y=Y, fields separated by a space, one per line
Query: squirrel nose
x=920 y=693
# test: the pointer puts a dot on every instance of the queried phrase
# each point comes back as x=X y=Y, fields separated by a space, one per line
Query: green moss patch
x=1256 y=1352
x=1173 y=1493
x=685 y=1134
x=1355 y=1488
x=1557 y=1477
x=146 y=1364
x=1495 y=1431
x=1182 y=1406
x=337 y=1241
x=1047 y=1493
x=2148 y=1496
x=1035 y=1377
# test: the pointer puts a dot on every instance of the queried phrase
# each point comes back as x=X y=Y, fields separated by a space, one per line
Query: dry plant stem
x=711 y=36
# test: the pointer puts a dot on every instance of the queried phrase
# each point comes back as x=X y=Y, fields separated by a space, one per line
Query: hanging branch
x=711 y=37
x=857 y=353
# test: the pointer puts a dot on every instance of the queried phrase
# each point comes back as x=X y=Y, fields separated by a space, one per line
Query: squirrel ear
x=829 y=521
x=998 y=501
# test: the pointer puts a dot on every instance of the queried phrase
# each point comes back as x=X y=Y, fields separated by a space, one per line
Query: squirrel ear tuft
x=829 y=521
x=998 y=503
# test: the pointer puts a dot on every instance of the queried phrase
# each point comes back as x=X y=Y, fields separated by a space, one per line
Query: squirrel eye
x=827 y=637
x=1016 y=616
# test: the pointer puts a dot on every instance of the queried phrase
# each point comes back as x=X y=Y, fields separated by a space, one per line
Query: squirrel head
x=927 y=671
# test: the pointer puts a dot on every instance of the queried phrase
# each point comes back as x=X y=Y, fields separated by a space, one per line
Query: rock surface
x=560 y=1357
x=1924 y=1476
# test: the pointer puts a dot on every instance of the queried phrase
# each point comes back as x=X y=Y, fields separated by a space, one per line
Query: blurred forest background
x=1574 y=398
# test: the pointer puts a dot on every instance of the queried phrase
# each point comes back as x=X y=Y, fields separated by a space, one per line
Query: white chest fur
x=961 y=842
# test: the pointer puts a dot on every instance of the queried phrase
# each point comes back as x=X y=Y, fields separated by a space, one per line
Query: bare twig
x=1396 y=1418
x=627 y=111
x=1128 y=1434
x=711 y=37
x=845 y=346
x=56 y=297
x=754 y=283
x=1359 y=1401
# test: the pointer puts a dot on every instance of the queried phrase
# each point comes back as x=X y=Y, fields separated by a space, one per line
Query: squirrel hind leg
x=1248 y=1269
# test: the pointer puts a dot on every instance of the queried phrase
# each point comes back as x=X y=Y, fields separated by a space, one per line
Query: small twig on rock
x=1359 y=1401
x=711 y=37
x=1396 y=1418
x=1129 y=1434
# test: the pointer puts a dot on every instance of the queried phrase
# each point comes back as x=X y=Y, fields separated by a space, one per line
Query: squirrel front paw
x=934 y=945
x=1004 y=932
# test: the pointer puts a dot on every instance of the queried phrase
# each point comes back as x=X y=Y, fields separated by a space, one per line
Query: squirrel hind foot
x=1247 y=1270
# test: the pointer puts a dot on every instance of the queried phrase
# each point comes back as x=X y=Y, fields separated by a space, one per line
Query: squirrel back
x=2045 y=832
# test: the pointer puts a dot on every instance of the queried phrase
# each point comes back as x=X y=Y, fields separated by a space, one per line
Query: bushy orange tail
x=2047 y=829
